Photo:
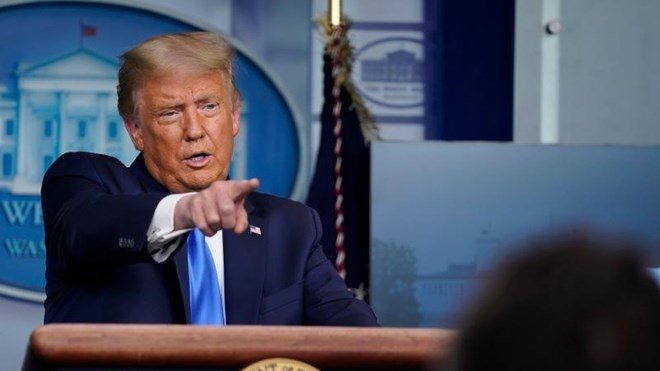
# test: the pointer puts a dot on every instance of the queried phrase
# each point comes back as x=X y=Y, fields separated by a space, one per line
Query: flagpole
x=334 y=17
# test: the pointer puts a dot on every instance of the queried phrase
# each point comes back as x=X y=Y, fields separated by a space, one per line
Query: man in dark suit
x=118 y=239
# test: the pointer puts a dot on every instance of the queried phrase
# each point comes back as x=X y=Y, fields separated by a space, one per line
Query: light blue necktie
x=205 y=298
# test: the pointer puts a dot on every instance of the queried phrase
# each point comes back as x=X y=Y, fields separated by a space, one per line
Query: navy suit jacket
x=96 y=214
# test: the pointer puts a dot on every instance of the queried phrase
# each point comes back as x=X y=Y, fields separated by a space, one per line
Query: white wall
x=607 y=80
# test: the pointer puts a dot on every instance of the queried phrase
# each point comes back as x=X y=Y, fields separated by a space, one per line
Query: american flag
x=343 y=154
x=255 y=230
x=87 y=30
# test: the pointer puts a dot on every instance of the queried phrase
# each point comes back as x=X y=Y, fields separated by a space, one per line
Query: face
x=185 y=127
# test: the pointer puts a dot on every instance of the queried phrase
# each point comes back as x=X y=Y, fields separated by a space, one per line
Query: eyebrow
x=174 y=102
x=207 y=97
x=168 y=105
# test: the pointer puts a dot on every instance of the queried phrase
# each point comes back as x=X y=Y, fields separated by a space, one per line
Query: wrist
x=181 y=217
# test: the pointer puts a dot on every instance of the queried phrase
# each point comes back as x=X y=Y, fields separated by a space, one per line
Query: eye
x=210 y=106
x=168 y=113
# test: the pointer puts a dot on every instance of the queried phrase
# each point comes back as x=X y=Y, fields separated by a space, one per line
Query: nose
x=193 y=125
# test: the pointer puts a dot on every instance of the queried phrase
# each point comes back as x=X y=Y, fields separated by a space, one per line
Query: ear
x=236 y=118
x=135 y=133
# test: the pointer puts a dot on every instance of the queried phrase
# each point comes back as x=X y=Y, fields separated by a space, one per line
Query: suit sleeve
x=94 y=212
x=327 y=299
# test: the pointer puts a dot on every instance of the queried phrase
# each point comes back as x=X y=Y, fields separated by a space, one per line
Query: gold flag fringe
x=370 y=129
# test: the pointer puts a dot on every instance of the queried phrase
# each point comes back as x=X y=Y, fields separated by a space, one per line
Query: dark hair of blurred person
x=571 y=302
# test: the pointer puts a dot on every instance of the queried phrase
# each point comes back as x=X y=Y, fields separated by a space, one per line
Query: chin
x=198 y=186
x=201 y=184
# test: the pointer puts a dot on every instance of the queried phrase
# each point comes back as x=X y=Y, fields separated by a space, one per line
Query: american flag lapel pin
x=255 y=230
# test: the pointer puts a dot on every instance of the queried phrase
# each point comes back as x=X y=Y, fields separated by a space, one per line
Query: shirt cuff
x=162 y=238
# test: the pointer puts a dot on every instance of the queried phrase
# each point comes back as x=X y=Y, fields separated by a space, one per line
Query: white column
x=22 y=141
x=62 y=98
x=102 y=124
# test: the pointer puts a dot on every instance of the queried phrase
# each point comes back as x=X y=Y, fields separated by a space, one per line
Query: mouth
x=198 y=160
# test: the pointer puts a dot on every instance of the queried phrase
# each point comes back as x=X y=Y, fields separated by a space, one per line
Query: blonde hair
x=195 y=52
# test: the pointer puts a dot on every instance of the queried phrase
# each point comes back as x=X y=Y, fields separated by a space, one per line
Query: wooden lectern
x=233 y=347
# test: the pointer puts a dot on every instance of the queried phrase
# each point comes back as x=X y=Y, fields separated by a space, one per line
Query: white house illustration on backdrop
x=66 y=104
x=397 y=66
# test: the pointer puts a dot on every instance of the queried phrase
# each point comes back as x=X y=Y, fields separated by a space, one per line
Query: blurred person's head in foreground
x=570 y=302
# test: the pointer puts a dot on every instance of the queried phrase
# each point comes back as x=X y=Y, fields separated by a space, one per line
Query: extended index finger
x=240 y=189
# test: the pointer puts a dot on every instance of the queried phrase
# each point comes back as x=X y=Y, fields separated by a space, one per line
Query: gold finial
x=334 y=12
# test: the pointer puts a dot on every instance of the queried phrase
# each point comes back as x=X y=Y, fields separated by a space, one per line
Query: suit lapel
x=181 y=263
x=245 y=266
